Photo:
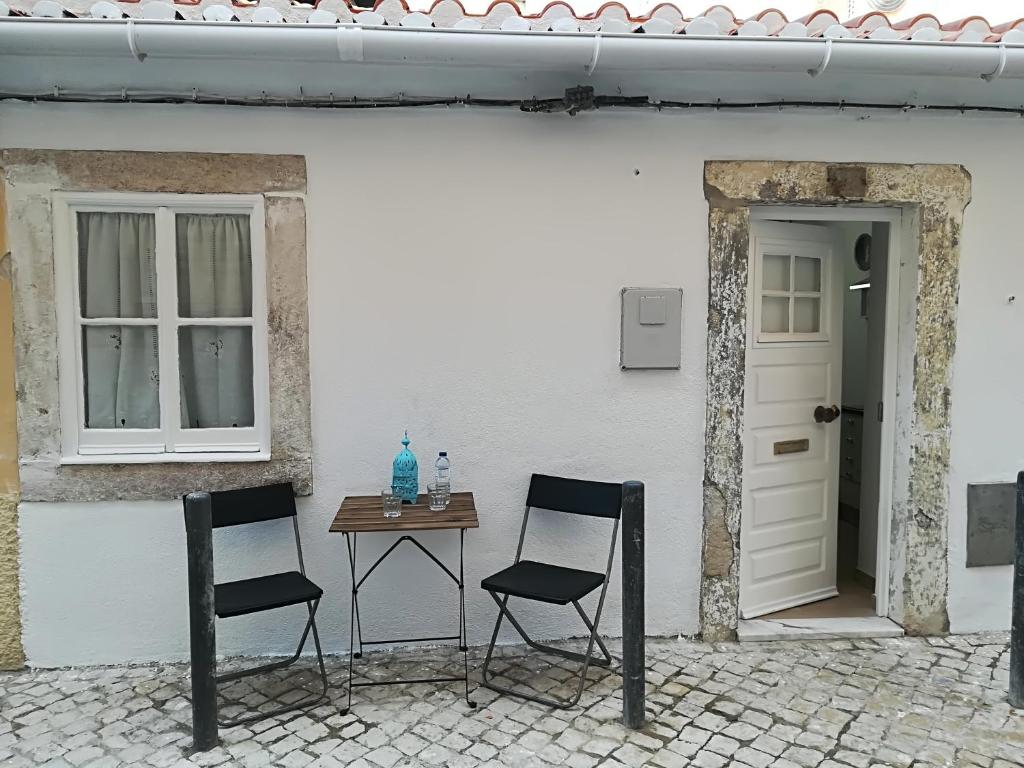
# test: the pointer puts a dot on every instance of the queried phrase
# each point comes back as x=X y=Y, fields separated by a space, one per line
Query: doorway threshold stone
x=760 y=630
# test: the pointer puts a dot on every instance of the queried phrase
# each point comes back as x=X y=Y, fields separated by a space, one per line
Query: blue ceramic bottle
x=405 y=475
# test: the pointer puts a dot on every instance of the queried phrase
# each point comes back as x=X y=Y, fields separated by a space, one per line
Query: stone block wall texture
x=11 y=655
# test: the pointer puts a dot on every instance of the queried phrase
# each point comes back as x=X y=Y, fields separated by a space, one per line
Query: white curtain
x=117 y=278
x=215 y=280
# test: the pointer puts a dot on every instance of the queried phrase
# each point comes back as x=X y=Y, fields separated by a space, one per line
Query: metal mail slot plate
x=791 y=446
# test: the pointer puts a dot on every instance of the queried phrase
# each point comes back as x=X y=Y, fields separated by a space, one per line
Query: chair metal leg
x=605 y=662
x=484 y=671
x=593 y=628
x=586 y=659
x=302 y=703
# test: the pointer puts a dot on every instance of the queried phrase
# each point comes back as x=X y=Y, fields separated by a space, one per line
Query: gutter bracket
x=992 y=77
x=824 y=60
x=350 y=43
x=133 y=46
x=595 y=55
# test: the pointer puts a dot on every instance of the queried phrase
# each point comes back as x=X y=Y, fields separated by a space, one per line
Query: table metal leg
x=350 y=544
x=464 y=640
x=355 y=626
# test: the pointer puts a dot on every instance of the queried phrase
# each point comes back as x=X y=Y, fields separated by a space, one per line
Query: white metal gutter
x=36 y=51
x=152 y=39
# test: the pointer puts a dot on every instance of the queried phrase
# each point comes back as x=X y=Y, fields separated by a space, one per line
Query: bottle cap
x=443 y=453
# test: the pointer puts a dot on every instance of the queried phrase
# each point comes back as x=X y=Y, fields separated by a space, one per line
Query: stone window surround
x=32 y=176
x=936 y=195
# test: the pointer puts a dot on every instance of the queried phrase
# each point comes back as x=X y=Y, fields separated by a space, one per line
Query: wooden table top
x=359 y=514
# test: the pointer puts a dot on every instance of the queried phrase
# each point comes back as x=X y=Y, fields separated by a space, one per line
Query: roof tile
x=559 y=16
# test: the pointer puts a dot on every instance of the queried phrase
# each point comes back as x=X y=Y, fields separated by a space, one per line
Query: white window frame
x=770 y=246
x=170 y=442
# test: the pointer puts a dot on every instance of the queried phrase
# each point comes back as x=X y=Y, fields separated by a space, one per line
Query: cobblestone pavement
x=907 y=702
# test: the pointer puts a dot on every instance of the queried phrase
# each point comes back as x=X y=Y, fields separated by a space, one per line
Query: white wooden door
x=789 y=520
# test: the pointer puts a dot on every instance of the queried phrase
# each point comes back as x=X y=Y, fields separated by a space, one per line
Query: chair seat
x=237 y=598
x=543 y=582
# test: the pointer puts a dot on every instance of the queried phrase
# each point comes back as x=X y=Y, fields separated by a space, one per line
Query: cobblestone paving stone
x=903 y=702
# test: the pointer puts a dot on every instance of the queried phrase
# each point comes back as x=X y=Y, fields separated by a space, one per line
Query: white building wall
x=464 y=269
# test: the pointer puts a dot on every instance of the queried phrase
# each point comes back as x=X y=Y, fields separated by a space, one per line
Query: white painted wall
x=464 y=268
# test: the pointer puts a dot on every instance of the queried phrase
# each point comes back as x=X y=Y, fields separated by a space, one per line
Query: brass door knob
x=826 y=415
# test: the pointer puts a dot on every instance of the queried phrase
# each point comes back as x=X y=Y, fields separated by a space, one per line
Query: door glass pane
x=121 y=377
x=214 y=265
x=807 y=274
x=776 y=272
x=806 y=315
x=216 y=376
x=774 y=314
x=116 y=264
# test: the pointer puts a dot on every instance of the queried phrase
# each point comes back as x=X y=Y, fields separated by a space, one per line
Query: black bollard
x=1017 y=617
x=633 y=650
x=199 y=543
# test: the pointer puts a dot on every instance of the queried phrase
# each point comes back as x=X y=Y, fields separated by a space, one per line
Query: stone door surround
x=938 y=195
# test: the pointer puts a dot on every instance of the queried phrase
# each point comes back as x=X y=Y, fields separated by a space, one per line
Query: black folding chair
x=554 y=583
x=263 y=593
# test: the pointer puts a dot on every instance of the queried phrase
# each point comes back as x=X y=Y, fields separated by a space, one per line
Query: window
x=162 y=325
x=790 y=293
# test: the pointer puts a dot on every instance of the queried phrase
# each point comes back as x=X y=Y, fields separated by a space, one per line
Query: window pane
x=774 y=314
x=808 y=274
x=117 y=264
x=776 y=272
x=121 y=377
x=214 y=265
x=216 y=376
x=806 y=315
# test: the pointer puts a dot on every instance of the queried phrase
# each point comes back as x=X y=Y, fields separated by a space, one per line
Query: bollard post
x=202 y=636
x=633 y=625
x=1017 y=616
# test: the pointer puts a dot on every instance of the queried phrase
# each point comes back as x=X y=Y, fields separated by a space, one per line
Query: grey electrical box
x=652 y=328
x=991 y=510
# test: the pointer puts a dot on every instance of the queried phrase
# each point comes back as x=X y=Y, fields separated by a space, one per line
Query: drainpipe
x=145 y=39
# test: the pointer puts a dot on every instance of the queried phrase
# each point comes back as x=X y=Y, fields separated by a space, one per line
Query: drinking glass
x=438 y=497
x=392 y=503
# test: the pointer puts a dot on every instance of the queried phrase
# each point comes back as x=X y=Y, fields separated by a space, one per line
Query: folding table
x=365 y=514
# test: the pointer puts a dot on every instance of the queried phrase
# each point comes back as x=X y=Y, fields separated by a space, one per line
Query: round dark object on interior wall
x=862 y=252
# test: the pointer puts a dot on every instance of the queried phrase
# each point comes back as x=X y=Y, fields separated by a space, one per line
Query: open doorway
x=924 y=206
x=813 y=441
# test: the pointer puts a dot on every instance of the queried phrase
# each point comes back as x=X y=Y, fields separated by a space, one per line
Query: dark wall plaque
x=991 y=510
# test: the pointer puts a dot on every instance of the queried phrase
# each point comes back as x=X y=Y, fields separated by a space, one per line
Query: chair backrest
x=252 y=505
x=577 y=497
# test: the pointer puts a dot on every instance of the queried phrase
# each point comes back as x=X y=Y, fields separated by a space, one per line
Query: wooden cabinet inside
x=850 y=441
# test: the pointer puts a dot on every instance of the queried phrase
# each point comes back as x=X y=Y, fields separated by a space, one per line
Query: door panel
x=786 y=504
x=790 y=464
x=789 y=560
x=791 y=383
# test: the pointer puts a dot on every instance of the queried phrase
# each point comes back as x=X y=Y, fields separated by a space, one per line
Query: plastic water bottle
x=443 y=473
